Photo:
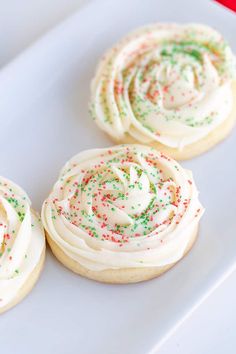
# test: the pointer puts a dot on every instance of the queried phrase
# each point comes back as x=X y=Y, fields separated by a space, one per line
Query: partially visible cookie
x=123 y=214
x=22 y=245
x=170 y=86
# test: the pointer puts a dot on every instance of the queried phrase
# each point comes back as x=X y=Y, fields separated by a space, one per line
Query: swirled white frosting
x=167 y=83
x=123 y=207
x=21 y=240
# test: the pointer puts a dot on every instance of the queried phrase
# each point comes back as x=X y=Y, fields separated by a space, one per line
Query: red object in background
x=231 y=4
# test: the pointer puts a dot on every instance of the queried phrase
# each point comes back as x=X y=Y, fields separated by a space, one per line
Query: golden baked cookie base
x=201 y=146
x=114 y=276
x=28 y=285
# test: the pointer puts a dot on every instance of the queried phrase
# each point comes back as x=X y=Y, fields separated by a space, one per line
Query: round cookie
x=22 y=245
x=121 y=215
x=169 y=86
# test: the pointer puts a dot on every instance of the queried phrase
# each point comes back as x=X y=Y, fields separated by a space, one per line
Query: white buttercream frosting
x=22 y=240
x=167 y=83
x=122 y=207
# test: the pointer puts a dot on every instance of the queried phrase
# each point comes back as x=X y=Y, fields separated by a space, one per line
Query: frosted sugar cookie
x=123 y=214
x=22 y=245
x=169 y=86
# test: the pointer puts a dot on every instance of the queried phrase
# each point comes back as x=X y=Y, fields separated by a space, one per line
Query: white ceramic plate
x=44 y=121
